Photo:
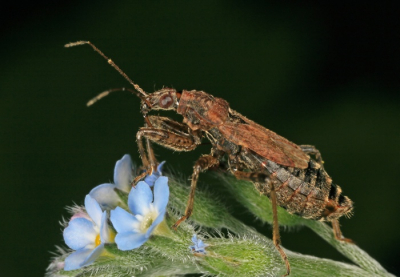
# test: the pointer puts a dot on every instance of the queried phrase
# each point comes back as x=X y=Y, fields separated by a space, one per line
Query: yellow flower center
x=97 y=241
x=147 y=221
x=111 y=235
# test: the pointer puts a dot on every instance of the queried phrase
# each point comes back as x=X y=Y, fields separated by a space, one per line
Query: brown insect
x=280 y=169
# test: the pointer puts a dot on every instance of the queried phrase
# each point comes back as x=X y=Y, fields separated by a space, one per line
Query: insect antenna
x=139 y=91
x=106 y=93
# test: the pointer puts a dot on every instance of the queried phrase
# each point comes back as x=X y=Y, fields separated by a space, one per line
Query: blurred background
x=320 y=74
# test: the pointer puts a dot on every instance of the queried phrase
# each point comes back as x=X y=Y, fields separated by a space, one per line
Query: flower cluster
x=132 y=223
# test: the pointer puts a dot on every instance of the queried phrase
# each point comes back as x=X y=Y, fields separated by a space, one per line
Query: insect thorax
x=202 y=110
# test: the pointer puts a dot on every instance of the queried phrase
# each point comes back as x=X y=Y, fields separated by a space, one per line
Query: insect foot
x=338 y=233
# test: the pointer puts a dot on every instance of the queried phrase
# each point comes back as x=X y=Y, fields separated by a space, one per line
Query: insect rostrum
x=280 y=169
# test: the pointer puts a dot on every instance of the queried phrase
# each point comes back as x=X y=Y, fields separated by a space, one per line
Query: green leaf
x=234 y=249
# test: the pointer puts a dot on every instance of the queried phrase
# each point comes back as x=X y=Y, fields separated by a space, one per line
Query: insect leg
x=276 y=238
x=150 y=152
x=164 y=138
x=149 y=163
x=143 y=156
x=147 y=170
x=338 y=233
x=262 y=177
x=167 y=124
x=311 y=150
x=167 y=133
x=202 y=164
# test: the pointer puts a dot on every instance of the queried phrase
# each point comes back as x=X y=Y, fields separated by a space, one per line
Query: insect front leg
x=202 y=164
x=152 y=158
x=165 y=132
x=148 y=164
x=270 y=182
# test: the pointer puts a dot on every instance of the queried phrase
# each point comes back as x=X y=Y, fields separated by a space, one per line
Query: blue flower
x=135 y=228
x=87 y=235
x=199 y=246
x=156 y=174
x=105 y=194
x=124 y=170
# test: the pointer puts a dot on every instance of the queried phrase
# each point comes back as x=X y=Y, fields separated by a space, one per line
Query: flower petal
x=157 y=221
x=75 y=259
x=105 y=229
x=200 y=244
x=160 y=166
x=123 y=173
x=161 y=193
x=79 y=215
x=93 y=255
x=106 y=196
x=130 y=240
x=80 y=233
x=93 y=209
x=123 y=221
x=139 y=199
x=153 y=177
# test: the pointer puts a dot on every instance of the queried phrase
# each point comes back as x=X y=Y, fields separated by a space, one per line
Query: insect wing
x=265 y=143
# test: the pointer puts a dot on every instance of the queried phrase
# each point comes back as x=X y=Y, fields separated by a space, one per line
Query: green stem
x=351 y=251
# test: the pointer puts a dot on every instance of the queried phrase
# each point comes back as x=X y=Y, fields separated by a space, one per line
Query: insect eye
x=165 y=101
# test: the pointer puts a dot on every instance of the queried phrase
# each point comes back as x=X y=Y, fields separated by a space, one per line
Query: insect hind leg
x=269 y=180
x=338 y=233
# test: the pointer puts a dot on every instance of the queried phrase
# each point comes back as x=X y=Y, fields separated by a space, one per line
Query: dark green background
x=326 y=75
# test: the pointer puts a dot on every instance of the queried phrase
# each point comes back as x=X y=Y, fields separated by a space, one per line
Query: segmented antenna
x=139 y=91
x=107 y=92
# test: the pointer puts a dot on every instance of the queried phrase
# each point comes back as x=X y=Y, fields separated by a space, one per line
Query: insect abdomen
x=308 y=193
